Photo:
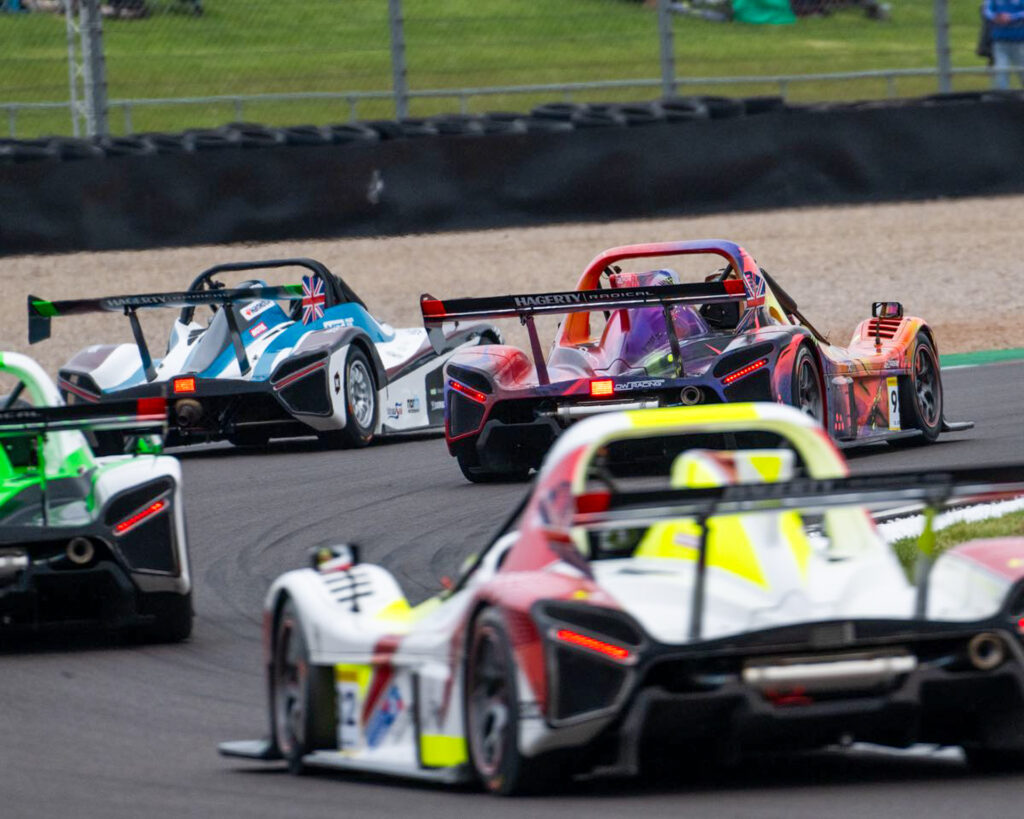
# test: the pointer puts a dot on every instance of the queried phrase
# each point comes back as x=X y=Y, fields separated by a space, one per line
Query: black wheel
x=173 y=617
x=360 y=403
x=301 y=695
x=492 y=714
x=807 y=395
x=469 y=463
x=921 y=393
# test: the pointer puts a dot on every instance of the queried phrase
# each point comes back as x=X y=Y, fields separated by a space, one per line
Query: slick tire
x=921 y=395
x=173 y=617
x=491 y=715
x=301 y=694
x=361 y=408
x=807 y=395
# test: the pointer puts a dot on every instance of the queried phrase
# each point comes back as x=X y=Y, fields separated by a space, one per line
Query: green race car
x=86 y=540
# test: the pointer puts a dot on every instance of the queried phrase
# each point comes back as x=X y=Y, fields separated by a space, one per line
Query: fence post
x=399 y=79
x=945 y=64
x=668 y=56
x=86 y=66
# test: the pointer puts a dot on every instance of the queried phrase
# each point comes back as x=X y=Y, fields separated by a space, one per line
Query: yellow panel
x=439 y=751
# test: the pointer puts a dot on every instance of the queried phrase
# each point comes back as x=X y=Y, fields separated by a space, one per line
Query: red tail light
x=593 y=502
x=593 y=644
x=187 y=384
x=431 y=307
x=469 y=392
x=738 y=374
x=134 y=520
x=602 y=388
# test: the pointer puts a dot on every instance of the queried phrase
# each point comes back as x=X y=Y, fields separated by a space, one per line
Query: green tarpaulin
x=762 y=11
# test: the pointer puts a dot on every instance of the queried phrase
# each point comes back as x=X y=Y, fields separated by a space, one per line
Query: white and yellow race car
x=741 y=598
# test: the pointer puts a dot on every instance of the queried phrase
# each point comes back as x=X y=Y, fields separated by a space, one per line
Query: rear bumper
x=40 y=598
x=670 y=701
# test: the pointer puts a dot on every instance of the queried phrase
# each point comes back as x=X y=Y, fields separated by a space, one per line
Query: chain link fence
x=171 y=65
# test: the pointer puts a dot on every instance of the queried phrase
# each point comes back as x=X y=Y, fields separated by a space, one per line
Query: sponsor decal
x=583 y=297
x=253 y=309
x=257 y=330
x=339 y=322
x=395 y=410
x=337 y=383
x=437 y=405
x=646 y=384
x=384 y=717
x=413 y=405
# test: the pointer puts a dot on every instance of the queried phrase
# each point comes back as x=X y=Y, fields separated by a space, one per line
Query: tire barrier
x=561 y=162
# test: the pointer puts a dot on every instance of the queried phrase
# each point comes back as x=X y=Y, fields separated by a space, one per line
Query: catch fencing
x=94 y=67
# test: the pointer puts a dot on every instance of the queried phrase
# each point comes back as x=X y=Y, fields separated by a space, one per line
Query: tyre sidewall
x=507 y=779
x=804 y=354
x=355 y=434
x=908 y=393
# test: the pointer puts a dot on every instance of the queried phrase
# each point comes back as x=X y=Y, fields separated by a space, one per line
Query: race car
x=740 y=599
x=84 y=540
x=647 y=340
x=283 y=361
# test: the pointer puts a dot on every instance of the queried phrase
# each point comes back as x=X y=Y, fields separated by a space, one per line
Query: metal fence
x=124 y=66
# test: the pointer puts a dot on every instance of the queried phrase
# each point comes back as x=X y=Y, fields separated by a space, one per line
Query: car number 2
x=349 y=685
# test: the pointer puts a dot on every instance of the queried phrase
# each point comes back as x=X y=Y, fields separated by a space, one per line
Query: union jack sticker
x=313 y=299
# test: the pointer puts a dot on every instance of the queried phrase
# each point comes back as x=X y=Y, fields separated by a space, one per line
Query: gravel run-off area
x=957 y=263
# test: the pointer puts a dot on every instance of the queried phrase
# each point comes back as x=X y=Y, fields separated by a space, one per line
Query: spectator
x=1007 y=20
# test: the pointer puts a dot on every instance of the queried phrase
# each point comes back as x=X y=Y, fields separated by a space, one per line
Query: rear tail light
x=744 y=371
x=469 y=392
x=134 y=520
x=610 y=650
x=184 y=385
x=604 y=387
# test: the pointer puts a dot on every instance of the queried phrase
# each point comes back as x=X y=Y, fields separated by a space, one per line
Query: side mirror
x=887 y=310
x=335 y=558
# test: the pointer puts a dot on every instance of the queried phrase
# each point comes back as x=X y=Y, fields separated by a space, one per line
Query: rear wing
x=927 y=490
x=436 y=312
x=146 y=414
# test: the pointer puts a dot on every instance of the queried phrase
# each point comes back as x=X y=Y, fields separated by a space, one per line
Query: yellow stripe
x=439 y=751
x=670 y=416
x=729 y=546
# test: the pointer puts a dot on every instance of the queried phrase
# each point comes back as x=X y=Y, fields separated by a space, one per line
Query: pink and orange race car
x=635 y=340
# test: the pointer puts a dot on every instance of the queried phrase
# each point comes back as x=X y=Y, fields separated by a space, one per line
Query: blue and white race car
x=283 y=361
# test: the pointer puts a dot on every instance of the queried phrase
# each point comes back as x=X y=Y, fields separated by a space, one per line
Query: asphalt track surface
x=104 y=729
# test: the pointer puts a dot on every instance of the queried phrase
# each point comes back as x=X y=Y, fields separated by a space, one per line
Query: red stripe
x=280 y=385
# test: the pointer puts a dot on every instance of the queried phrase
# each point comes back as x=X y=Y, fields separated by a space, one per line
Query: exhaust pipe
x=690 y=395
x=188 y=411
x=80 y=551
x=986 y=651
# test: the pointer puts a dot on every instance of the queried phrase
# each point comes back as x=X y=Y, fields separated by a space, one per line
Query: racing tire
x=921 y=395
x=807 y=393
x=301 y=694
x=491 y=715
x=469 y=463
x=360 y=404
x=173 y=617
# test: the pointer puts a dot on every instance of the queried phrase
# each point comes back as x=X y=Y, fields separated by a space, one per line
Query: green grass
x=1005 y=526
x=268 y=46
